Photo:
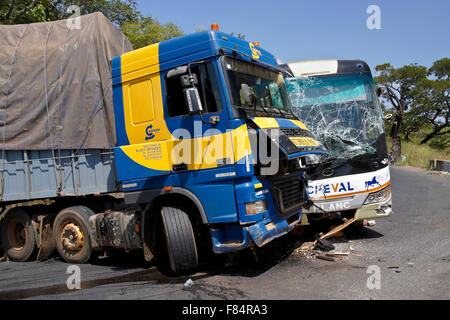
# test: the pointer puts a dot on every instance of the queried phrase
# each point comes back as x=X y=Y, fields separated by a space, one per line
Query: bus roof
x=325 y=67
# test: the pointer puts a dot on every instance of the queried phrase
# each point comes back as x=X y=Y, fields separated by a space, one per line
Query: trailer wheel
x=71 y=234
x=180 y=240
x=18 y=236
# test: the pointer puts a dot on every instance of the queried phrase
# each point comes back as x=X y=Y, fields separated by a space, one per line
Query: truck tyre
x=18 y=236
x=180 y=240
x=71 y=234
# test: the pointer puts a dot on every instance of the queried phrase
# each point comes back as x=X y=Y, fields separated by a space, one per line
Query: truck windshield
x=267 y=85
x=342 y=111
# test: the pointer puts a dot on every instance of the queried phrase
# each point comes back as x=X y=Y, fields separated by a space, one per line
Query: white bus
x=337 y=100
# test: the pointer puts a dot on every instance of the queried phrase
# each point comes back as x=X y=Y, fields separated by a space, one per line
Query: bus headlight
x=379 y=196
x=253 y=208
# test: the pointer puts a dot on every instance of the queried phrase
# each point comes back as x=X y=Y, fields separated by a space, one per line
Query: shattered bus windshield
x=268 y=86
x=342 y=111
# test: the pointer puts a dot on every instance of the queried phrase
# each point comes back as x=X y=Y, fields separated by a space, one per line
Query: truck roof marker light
x=168 y=188
x=215 y=27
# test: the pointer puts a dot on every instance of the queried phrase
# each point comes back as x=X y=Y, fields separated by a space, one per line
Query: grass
x=420 y=155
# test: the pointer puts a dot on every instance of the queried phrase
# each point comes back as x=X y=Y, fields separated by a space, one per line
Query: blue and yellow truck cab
x=207 y=145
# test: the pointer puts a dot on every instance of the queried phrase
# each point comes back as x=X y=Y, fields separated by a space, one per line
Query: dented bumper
x=230 y=238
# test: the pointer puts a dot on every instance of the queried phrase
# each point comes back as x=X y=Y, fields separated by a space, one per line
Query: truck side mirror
x=193 y=101
x=178 y=71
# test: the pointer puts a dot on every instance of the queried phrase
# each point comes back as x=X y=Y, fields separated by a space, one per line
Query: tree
x=124 y=14
x=431 y=105
x=29 y=11
x=146 y=31
x=419 y=96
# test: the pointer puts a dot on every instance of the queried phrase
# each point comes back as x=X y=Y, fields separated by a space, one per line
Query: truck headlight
x=379 y=196
x=253 y=208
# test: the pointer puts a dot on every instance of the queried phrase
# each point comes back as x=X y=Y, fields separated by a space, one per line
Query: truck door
x=199 y=141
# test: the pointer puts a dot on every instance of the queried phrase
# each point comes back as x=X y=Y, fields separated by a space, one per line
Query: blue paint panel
x=221 y=208
x=201 y=45
x=261 y=234
x=121 y=133
x=228 y=238
x=33 y=175
x=128 y=169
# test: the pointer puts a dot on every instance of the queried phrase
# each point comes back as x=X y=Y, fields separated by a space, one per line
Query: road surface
x=411 y=250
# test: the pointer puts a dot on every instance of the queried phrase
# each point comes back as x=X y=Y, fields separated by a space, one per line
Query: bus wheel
x=18 y=236
x=71 y=234
x=180 y=240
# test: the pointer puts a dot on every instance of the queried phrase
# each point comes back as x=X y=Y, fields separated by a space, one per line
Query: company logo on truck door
x=150 y=132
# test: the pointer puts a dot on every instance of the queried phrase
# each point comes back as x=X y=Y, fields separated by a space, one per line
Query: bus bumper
x=375 y=210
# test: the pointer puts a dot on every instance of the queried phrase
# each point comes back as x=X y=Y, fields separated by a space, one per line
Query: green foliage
x=29 y=11
x=421 y=96
x=418 y=155
x=141 y=31
x=146 y=31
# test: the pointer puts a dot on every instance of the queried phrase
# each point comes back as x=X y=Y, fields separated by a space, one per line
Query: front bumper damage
x=259 y=233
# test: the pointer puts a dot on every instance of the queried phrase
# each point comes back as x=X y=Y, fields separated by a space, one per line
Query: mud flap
x=46 y=243
x=264 y=232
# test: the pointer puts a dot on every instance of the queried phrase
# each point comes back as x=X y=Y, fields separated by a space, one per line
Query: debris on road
x=189 y=283
x=394 y=267
x=371 y=223
x=337 y=229
x=410 y=264
x=338 y=254
x=324 y=245
x=326 y=258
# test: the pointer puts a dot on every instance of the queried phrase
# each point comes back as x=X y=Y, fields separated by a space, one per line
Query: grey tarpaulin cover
x=55 y=84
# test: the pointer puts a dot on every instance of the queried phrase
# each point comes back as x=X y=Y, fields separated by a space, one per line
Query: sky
x=412 y=31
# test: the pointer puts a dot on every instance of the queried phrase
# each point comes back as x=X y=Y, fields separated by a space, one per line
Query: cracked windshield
x=342 y=111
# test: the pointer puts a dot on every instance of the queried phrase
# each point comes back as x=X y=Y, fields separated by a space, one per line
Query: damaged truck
x=179 y=148
x=338 y=101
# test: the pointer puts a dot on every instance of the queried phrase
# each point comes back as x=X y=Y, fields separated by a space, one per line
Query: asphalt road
x=411 y=249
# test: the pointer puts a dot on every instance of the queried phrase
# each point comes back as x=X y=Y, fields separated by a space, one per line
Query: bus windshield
x=342 y=111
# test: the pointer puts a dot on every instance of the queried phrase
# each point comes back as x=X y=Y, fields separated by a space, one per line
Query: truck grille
x=289 y=193
x=291 y=132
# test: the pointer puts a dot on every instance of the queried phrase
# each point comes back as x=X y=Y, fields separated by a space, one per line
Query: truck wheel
x=180 y=240
x=18 y=236
x=71 y=233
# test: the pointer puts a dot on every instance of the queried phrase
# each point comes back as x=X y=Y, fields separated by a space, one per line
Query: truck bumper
x=230 y=238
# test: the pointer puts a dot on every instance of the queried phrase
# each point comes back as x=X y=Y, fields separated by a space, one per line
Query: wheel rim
x=17 y=235
x=72 y=238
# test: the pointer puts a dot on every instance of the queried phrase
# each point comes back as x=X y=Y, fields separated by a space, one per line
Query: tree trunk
x=428 y=137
